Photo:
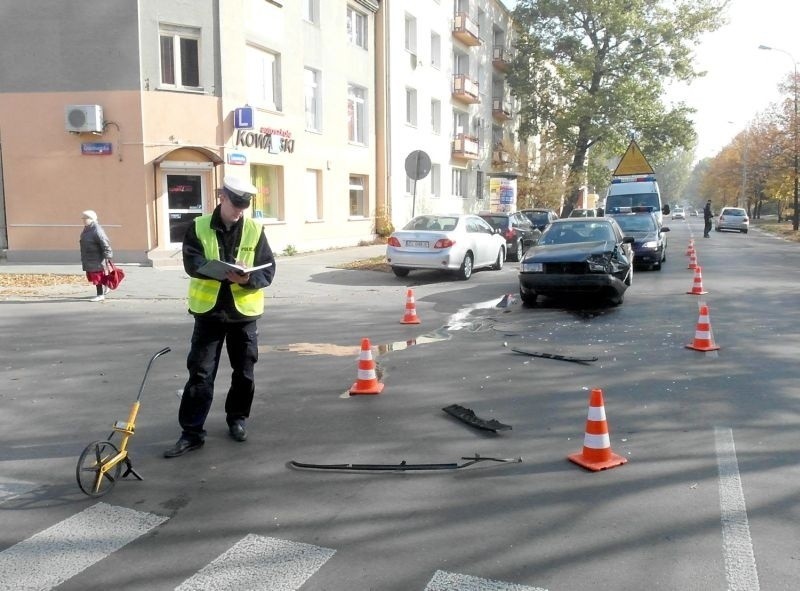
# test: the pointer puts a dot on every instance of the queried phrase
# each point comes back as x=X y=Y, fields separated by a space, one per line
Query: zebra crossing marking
x=60 y=552
x=260 y=563
x=444 y=581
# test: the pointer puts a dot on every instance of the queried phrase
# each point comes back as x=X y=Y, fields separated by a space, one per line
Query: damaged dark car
x=578 y=257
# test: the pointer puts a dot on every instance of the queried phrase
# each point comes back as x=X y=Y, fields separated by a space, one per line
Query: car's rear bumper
x=422 y=260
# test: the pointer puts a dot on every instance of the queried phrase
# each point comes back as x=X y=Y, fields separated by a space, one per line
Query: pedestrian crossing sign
x=633 y=162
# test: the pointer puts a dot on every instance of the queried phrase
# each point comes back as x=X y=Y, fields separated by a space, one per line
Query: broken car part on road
x=402 y=466
x=468 y=416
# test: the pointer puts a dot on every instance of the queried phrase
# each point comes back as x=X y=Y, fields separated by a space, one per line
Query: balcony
x=502 y=57
x=501 y=109
x=465 y=89
x=466 y=30
x=465 y=147
x=500 y=157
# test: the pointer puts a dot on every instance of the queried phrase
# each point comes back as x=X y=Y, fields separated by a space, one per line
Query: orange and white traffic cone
x=703 y=339
x=367 y=382
x=697 y=283
x=690 y=248
x=596 y=454
x=410 y=316
x=692 y=260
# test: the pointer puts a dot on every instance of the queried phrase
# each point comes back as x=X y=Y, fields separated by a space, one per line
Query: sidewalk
x=292 y=278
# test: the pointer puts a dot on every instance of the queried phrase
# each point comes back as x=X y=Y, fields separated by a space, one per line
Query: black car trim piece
x=467 y=415
x=573 y=359
x=402 y=466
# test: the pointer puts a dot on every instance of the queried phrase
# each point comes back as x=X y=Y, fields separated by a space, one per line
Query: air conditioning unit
x=83 y=118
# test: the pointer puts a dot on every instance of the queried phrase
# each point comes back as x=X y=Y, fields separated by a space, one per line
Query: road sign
x=633 y=162
x=418 y=165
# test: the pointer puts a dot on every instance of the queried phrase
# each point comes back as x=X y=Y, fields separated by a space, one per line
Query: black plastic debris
x=573 y=359
x=468 y=416
x=402 y=466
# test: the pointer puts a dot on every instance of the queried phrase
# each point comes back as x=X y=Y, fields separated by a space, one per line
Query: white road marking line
x=259 y=563
x=444 y=581
x=62 y=551
x=9 y=490
x=740 y=562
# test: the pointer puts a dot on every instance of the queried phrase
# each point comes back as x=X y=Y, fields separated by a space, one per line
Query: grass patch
x=782 y=229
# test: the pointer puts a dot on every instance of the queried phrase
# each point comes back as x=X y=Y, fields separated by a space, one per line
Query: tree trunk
x=577 y=173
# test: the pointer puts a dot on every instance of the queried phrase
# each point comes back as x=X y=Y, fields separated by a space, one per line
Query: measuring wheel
x=94 y=457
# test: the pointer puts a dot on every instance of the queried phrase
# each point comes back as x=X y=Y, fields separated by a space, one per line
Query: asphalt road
x=707 y=500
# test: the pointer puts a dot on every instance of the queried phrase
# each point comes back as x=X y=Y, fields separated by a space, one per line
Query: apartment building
x=138 y=109
x=444 y=71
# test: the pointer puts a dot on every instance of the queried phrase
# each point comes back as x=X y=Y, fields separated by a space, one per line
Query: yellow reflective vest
x=203 y=292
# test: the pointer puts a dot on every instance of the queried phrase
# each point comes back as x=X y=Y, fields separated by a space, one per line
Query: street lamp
x=796 y=217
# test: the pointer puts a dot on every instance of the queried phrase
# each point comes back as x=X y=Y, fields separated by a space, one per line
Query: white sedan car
x=458 y=243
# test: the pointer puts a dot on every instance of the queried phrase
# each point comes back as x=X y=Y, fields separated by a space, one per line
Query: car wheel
x=718 y=230
x=528 y=297
x=656 y=266
x=617 y=300
x=400 y=272
x=518 y=256
x=501 y=257
x=465 y=272
x=744 y=231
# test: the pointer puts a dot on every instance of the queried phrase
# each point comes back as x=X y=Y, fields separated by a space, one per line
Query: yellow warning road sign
x=633 y=162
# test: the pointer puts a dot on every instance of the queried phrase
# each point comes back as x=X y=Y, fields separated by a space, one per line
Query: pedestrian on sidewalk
x=225 y=312
x=708 y=215
x=95 y=253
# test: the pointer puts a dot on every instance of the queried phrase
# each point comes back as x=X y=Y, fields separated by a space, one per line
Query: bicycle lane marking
x=255 y=560
x=60 y=552
x=740 y=562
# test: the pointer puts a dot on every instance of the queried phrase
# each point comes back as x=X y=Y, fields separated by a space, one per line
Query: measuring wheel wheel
x=93 y=458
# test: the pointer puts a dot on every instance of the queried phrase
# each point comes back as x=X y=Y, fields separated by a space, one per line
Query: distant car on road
x=583 y=213
x=458 y=243
x=733 y=218
x=578 y=256
x=678 y=213
x=517 y=229
x=693 y=212
x=650 y=242
x=540 y=217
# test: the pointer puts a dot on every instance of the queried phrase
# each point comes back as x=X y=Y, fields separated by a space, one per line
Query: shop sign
x=96 y=148
x=237 y=158
x=275 y=141
x=243 y=118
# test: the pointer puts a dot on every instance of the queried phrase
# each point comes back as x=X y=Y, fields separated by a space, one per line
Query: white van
x=626 y=192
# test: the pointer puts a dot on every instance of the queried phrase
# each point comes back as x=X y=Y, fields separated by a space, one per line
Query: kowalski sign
x=633 y=162
x=273 y=140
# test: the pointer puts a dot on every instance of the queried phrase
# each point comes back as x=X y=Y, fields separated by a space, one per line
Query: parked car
x=650 y=241
x=578 y=256
x=733 y=218
x=459 y=243
x=678 y=213
x=583 y=213
x=540 y=217
x=693 y=212
x=517 y=229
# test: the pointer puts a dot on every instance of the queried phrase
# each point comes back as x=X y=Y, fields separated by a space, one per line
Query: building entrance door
x=184 y=202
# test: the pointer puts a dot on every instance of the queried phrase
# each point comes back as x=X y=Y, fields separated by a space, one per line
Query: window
x=311 y=11
x=268 y=202
x=180 y=57
x=436 y=50
x=357 y=114
x=436 y=174
x=358 y=196
x=458 y=183
x=411 y=106
x=357 y=27
x=460 y=123
x=460 y=63
x=313 y=195
x=311 y=81
x=263 y=78
x=436 y=116
x=411 y=34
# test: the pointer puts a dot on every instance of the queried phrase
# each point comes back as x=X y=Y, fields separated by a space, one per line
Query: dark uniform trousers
x=241 y=340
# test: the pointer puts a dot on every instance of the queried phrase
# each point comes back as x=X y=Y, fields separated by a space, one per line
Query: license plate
x=418 y=243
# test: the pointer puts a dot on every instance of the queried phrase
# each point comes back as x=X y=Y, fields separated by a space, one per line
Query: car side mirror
x=665 y=209
x=628 y=240
x=664 y=229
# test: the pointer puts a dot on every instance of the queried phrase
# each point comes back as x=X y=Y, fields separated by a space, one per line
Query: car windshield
x=636 y=223
x=567 y=233
x=497 y=221
x=615 y=202
x=434 y=223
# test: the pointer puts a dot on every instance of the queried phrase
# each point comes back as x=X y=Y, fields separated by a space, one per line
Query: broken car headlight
x=527 y=267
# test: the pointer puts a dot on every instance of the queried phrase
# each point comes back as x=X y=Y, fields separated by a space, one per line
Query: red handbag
x=113 y=276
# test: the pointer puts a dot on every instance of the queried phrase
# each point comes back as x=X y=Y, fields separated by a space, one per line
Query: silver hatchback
x=733 y=218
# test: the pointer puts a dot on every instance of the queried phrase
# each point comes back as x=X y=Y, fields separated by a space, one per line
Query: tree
x=593 y=72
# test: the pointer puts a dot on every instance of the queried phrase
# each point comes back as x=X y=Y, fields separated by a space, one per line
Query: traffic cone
x=703 y=339
x=690 y=248
x=367 y=382
x=697 y=284
x=692 y=260
x=596 y=454
x=410 y=316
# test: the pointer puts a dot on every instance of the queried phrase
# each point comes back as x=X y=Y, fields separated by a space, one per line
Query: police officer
x=225 y=312
x=708 y=215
